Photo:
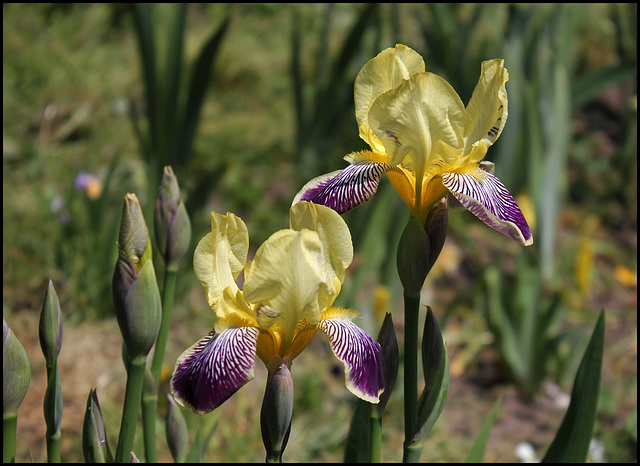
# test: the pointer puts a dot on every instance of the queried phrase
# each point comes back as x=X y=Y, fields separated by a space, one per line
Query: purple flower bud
x=171 y=221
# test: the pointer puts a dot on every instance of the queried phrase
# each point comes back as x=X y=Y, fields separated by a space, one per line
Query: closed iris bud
x=16 y=372
x=171 y=221
x=177 y=432
x=413 y=256
x=436 y=229
x=390 y=361
x=95 y=445
x=50 y=328
x=135 y=289
x=277 y=408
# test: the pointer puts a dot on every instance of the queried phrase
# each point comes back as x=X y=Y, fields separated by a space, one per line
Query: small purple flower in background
x=88 y=183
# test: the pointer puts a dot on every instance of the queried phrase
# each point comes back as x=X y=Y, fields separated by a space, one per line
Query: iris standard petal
x=484 y=195
x=332 y=231
x=487 y=111
x=214 y=368
x=413 y=118
x=221 y=255
x=380 y=74
x=343 y=190
x=359 y=353
x=285 y=279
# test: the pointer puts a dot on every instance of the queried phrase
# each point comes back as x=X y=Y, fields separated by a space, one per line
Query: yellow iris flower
x=287 y=296
x=427 y=143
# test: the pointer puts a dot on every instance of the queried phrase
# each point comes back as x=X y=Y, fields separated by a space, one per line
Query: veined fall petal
x=487 y=198
x=358 y=352
x=213 y=369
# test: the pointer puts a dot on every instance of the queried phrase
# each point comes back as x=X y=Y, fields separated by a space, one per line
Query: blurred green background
x=247 y=102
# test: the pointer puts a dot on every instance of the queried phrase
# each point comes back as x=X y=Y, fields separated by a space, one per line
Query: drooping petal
x=380 y=74
x=214 y=368
x=484 y=195
x=343 y=190
x=487 y=111
x=221 y=255
x=359 y=353
x=414 y=118
x=286 y=277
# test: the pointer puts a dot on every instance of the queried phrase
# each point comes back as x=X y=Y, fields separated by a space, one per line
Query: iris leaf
x=571 y=443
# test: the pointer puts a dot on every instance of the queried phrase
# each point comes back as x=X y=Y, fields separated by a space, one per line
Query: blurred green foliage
x=278 y=110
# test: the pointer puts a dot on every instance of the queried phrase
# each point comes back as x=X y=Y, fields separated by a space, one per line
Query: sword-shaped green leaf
x=571 y=443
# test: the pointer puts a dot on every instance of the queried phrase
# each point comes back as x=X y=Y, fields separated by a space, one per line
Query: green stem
x=149 y=406
x=53 y=448
x=132 y=399
x=375 y=435
x=412 y=453
x=411 y=312
x=9 y=426
x=168 y=292
x=53 y=412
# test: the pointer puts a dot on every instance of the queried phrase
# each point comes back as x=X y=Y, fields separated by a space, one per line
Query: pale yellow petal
x=221 y=255
x=413 y=119
x=487 y=111
x=286 y=278
x=380 y=74
x=332 y=231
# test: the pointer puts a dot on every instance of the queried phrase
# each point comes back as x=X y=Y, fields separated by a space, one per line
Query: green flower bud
x=95 y=444
x=435 y=367
x=16 y=372
x=135 y=290
x=413 y=256
x=390 y=361
x=177 y=432
x=171 y=221
x=277 y=408
x=436 y=228
x=50 y=329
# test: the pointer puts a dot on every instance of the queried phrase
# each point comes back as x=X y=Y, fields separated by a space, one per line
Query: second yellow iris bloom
x=427 y=143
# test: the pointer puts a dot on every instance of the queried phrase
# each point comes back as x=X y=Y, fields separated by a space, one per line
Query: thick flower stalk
x=426 y=141
x=287 y=296
x=138 y=310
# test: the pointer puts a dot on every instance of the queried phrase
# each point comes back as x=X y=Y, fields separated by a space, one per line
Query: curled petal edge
x=484 y=195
